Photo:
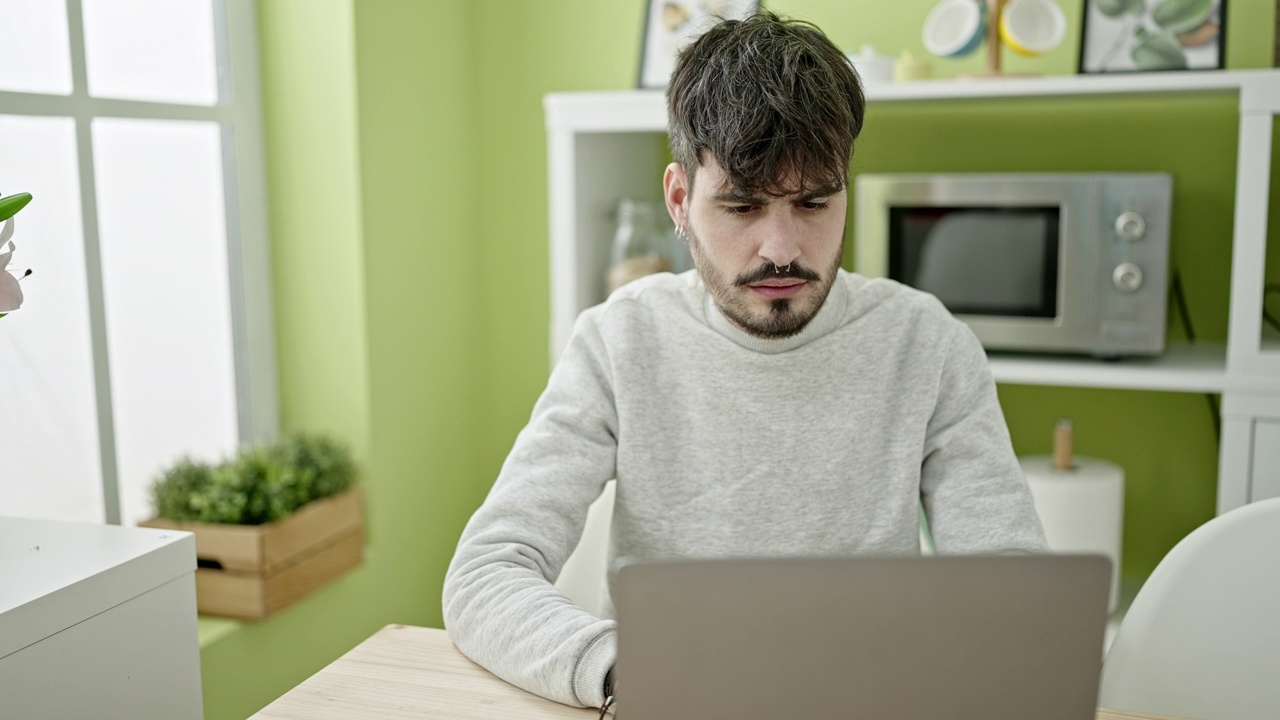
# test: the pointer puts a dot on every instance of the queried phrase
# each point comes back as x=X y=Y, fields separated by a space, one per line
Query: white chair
x=583 y=575
x=1202 y=637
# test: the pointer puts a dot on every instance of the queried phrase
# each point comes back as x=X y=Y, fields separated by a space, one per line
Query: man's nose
x=779 y=244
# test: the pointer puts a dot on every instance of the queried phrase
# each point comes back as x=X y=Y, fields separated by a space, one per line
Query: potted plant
x=10 y=290
x=272 y=524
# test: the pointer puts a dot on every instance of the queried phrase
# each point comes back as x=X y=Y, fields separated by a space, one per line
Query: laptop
x=883 y=638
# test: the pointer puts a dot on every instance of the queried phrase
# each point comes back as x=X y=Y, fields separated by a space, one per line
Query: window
x=146 y=330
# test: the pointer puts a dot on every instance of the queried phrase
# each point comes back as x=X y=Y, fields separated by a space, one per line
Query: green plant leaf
x=258 y=485
x=11 y=204
x=1180 y=16
x=1116 y=8
x=1158 y=51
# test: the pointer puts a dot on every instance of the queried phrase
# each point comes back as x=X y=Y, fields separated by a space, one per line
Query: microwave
x=1032 y=262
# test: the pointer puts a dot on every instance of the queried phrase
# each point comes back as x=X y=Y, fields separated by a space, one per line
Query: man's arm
x=500 y=606
x=975 y=496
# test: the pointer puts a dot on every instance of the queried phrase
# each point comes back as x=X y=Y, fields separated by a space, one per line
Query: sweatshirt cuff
x=593 y=665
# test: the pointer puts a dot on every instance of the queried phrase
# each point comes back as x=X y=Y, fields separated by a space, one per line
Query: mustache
x=771 y=271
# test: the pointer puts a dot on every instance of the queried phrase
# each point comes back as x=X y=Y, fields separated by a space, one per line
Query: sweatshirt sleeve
x=975 y=496
x=500 y=606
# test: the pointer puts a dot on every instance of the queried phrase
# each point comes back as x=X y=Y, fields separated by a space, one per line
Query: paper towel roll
x=1082 y=508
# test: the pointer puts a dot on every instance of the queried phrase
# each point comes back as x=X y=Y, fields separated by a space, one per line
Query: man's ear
x=675 y=190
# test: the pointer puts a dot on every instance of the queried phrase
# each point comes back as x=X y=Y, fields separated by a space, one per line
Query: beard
x=781 y=318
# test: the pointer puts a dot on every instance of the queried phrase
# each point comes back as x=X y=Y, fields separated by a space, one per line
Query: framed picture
x=1276 y=62
x=670 y=25
x=1152 y=35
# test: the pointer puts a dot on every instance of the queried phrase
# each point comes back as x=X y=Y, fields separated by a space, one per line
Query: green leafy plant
x=258 y=485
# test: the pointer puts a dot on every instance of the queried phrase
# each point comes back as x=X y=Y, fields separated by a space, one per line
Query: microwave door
x=986 y=263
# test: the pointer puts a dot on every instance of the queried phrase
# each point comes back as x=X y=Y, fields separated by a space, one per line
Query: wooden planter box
x=251 y=571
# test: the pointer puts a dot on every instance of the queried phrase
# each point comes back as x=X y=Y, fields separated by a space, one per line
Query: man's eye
x=814 y=205
x=739 y=209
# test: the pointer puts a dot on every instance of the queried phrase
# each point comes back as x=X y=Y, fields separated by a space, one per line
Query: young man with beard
x=767 y=403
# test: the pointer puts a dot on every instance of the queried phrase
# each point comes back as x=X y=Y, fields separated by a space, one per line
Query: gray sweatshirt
x=723 y=444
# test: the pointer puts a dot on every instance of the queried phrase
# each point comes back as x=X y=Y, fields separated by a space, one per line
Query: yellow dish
x=1032 y=27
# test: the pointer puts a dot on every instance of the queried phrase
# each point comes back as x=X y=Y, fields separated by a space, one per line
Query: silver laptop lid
x=908 y=638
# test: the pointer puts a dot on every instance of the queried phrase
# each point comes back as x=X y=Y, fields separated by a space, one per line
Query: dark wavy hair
x=772 y=99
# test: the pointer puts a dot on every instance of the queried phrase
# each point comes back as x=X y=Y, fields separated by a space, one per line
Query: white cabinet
x=97 y=621
x=607 y=145
x=1266 y=460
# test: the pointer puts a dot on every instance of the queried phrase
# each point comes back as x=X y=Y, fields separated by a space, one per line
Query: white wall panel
x=1266 y=460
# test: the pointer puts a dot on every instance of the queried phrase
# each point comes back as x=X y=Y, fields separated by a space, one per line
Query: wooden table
x=413 y=672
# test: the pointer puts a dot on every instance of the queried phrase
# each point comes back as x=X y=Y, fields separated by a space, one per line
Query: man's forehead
x=787 y=183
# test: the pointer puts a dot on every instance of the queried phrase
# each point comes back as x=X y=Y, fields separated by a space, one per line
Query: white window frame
x=238 y=114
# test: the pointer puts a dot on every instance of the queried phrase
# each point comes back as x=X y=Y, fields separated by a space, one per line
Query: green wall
x=407 y=184
x=371 y=177
x=322 y=334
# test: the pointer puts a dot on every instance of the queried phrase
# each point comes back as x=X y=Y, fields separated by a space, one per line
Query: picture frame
x=671 y=25
x=1122 y=36
x=1276 y=49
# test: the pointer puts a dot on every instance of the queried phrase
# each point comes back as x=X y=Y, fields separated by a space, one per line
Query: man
x=767 y=403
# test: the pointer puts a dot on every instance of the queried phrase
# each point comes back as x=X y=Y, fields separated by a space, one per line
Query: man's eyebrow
x=824 y=191
x=733 y=196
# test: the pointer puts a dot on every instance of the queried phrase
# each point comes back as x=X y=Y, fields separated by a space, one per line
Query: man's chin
x=775 y=319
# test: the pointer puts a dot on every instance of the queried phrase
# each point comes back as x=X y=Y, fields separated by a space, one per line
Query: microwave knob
x=1131 y=226
x=1127 y=277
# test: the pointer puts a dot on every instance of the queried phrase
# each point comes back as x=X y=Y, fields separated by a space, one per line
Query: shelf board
x=1182 y=368
x=1066 y=85
x=645 y=110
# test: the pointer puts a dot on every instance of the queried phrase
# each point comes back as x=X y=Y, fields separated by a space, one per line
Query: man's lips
x=780 y=288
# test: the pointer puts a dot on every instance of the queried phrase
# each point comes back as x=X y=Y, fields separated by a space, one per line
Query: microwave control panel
x=1133 y=219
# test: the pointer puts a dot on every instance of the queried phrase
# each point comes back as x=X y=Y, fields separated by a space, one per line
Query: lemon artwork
x=1031 y=28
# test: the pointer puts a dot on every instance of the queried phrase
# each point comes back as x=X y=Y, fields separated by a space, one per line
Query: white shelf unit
x=603 y=146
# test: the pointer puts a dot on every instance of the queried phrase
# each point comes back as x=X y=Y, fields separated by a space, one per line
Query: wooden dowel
x=994 y=9
x=1062 y=440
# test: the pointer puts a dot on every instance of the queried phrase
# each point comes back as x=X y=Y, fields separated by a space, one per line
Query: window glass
x=49 y=458
x=157 y=50
x=34 y=55
x=168 y=309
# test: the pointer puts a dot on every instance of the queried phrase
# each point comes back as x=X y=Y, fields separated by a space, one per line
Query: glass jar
x=644 y=243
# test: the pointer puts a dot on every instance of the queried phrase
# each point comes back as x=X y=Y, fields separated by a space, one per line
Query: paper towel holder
x=1080 y=502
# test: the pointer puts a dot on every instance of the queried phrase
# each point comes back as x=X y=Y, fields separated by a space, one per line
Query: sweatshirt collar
x=827 y=319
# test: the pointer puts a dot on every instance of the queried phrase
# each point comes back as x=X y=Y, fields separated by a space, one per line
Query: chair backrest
x=583 y=575
x=1202 y=637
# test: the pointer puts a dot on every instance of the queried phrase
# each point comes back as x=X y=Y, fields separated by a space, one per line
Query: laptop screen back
x=914 y=638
